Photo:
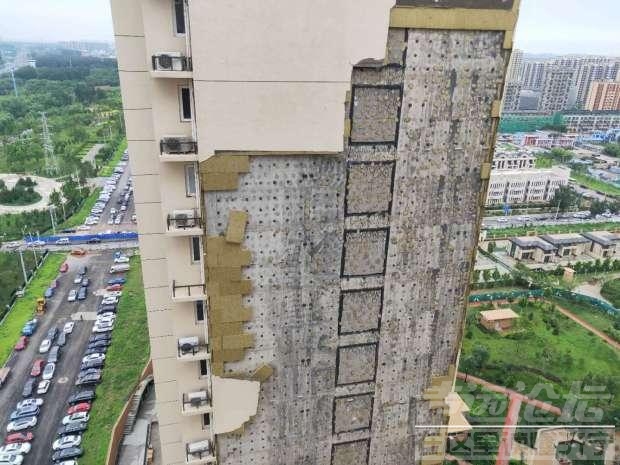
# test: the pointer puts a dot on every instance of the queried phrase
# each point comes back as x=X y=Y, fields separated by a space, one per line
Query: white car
x=116 y=294
x=93 y=357
x=103 y=327
x=11 y=459
x=77 y=417
x=45 y=346
x=103 y=321
x=31 y=402
x=77 y=279
x=111 y=220
x=16 y=448
x=109 y=300
x=21 y=424
x=48 y=371
x=72 y=295
x=72 y=440
x=43 y=386
x=121 y=259
x=83 y=227
x=68 y=328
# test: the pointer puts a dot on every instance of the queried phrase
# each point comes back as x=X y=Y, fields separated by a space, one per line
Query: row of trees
x=22 y=193
x=597 y=266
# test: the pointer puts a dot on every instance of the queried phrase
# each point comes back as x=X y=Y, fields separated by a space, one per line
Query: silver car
x=48 y=371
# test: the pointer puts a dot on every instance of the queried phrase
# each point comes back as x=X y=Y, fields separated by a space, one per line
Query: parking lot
x=59 y=311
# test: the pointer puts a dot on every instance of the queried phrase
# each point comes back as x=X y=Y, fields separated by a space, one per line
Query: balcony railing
x=192 y=349
x=188 y=292
x=199 y=452
x=169 y=62
x=196 y=403
x=184 y=222
x=178 y=146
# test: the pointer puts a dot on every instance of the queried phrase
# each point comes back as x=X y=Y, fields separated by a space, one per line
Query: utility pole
x=21 y=259
x=53 y=219
x=51 y=164
x=14 y=83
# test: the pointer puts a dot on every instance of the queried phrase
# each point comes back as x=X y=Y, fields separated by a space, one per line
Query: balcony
x=196 y=403
x=175 y=148
x=199 y=452
x=190 y=349
x=184 y=223
x=188 y=292
x=171 y=65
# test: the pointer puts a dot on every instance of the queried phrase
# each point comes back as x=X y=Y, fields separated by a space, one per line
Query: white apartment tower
x=299 y=311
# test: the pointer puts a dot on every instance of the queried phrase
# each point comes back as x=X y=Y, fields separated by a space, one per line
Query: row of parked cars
x=24 y=418
x=81 y=293
x=117 y=215
x=105 y=196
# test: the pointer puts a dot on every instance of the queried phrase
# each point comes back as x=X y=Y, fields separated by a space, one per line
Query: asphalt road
x=59 y=311
x=540 y=219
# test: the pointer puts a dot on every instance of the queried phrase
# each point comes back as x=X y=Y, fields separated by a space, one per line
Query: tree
x=56 y=199
x=612 y=150
x=486 y=275
x=565 y=198
x=496 y=275
x=491 y=247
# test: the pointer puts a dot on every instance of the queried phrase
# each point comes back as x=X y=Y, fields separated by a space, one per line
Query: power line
x=51 y=164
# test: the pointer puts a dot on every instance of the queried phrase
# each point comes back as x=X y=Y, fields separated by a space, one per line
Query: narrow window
x=204 y=371
x=195 y=249
x=179 y=17
x=200 y=311
x=206 y=421
x=186 y=103
x=190 y=180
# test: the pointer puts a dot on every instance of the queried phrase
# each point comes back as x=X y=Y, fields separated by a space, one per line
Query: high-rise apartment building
x=515 y=67
x=593 y=69
x=558 y=89
x=309 y=179
x=603 y=96
x=512 y=97
x=533 y=74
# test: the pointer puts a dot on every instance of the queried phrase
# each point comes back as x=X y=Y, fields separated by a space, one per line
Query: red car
x=19 y=437
x=22 y=343
x=114 y=287
x=64 y=267
x=81 y=407
x=37 y=367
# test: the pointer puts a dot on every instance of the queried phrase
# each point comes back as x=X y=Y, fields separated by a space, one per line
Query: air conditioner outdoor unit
x=184 y=218
x=197 y=398
x=199 y=447
x=188 y=344
x=166 y=62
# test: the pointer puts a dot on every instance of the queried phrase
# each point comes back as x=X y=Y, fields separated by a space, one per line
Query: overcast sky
x=545 y=26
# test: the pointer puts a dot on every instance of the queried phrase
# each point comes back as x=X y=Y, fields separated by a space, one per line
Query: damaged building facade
x=309 y=181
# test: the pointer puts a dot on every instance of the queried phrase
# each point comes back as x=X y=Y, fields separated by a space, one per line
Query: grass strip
x=108 y=168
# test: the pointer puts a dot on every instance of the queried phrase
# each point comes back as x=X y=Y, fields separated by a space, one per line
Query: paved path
x=592 y=290
x=92 y=153
x=44 y=187
x=589 y=327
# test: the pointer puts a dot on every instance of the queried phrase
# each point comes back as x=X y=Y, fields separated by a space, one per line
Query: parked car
x=82 y=396
x=62 y=339
x=54 y=354
x=16 y=448
x=28 y=387
x=72 y=428
x=79 y=417
x=16 y=438
x=68 y=328
x=64 y=442
x=49 y=293
x=98 y=350
x=22 y=343
x=72 y=295
x=82 y=293
x=85 y=281
x=81 y=407
x=43 y=386
x=69 y=453
x=27 y=411
x=119 y=280
x=62 y=241
x=103 y=328
x=77 y=279
x=37 y=367
x=92 y=364
x=119 y=268
x=21 y=424
x=11 y=459
x=78 y=252
x=48 y=371
x=106 y=308
x=100 y=337
x=88 y=379
x=52 y=333
x=33 y=401
x=109 y=300
x=121 y=259
x=93 y=240
x=45 y=346
x=82 y=270
x=99 y=343
x=114 y=287
x=64 y=267
x=30 y=327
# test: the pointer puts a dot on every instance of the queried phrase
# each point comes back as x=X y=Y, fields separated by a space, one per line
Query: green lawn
x=595 y=184
x=78 y=217
x=554 y=229
x=108 y=168
x=126 y=358
x=11 y=327
x=544 y=348
x=601 y=320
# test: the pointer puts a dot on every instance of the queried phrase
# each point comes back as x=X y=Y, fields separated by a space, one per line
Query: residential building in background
x=515 y=67
x=515 y=187
x=513 y=161
x=512 y=95
x=298 y=310
x=583 y=121
x=533 y=75
x=603 y=96
x=558 y=89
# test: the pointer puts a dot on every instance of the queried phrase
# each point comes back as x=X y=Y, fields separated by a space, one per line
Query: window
x=185 y=97
x=206 y=420
x=200 y=311
x=204 y=371
x=179 y=17
x=190 y=180
x=195 y=249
